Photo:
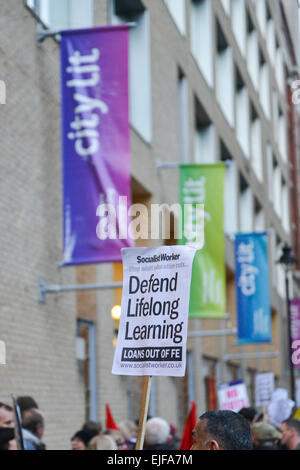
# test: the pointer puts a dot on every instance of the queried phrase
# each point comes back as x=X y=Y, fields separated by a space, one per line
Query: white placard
x=154 y=317
x=264 y=388
x=280 y=407
x=233 y=396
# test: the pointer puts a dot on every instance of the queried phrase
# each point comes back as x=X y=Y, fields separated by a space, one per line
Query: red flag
x=187 y=438
x=110 y=422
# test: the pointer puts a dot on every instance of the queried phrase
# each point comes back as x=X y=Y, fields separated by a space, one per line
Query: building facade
x=210 y=80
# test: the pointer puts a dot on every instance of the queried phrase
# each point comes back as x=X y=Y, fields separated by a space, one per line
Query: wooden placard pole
x=143 y=413
x=265 y=412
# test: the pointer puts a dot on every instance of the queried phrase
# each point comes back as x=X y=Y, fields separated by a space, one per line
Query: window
x=271 y=37
x=239 y=23
x=242 y=114
x=275 y=112
x=261 y=13
x=282 y=136
x=232 y=372
x=139 y=63
x=279 y=68
x=209 y=375
x=246 y=206
x=276 y=187
x=280 y=276
x=264 y=89
x=86 y=356
x=259 y=218
x=231 y=192
x=226 y=6
x=270 y=160
x=152 y=399
x=183 y=99
x=63 y=14
x=279 y=127
x=225 y=76
x=253 y=53
x=285 y=206
x=201 y=37
x=177 y=10
x=191 y=376
x=256 y=144
x=204 y=135
x=250 y=382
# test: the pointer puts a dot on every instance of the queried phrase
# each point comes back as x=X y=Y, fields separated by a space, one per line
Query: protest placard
x=280 y=407
x=233 y=396
x=264 y=388
x=154 y=312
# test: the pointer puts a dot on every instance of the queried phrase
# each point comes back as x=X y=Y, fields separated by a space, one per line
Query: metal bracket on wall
x=257 y=355
x=197 y=334
x=44 y=288
x=42 y=34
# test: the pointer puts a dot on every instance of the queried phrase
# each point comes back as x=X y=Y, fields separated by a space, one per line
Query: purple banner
x=295 y=331
x=96 y=148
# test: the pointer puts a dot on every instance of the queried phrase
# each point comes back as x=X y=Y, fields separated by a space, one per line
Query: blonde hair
x=103 y=442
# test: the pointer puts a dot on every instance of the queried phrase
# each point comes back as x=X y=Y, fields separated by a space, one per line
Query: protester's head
x=118 y=437
x=248 y=413
x=93 y=425
x=128 y=429
x=7 y=439
x=157 y=431
x=82 y=438
x=265 y=434
x=34 y=422
x=26 y=403
x=290 y=430
x=6 y=416
x=103 y=442
x=222 y=430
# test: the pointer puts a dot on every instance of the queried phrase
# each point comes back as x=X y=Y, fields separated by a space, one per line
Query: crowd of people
x=214 y=430
x=245 y=430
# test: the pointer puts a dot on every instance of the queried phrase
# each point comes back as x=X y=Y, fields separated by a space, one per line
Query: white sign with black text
x=264 y=388
x=154 y=314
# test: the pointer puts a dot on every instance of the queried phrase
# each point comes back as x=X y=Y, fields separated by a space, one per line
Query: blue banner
x=252 y=288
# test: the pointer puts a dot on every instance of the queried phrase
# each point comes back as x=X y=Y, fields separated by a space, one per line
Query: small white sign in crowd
x=264 y=388
x=233 y=396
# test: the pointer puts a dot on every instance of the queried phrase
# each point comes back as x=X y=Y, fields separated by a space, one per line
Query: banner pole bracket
x=160 y=165
x=44 y=288
x=43 y=33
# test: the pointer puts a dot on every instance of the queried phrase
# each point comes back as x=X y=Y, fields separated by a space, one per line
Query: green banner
x=204 y=184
